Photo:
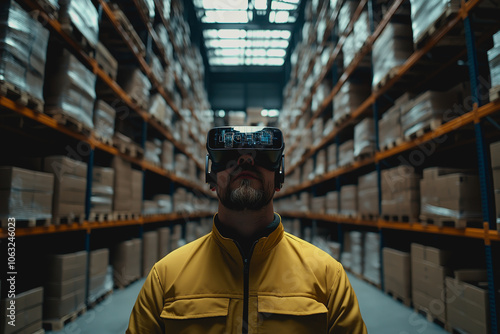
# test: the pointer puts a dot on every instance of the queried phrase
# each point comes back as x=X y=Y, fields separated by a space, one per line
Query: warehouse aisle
x=381 y=313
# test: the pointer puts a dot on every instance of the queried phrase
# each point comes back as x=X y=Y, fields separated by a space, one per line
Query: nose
x=246 y=159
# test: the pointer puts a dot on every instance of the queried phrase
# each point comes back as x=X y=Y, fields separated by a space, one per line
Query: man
x=247 y=275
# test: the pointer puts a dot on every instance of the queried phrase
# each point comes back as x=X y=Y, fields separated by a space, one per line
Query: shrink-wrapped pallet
x=425 y=13
x=104 y=120
x=368 y=195
x=364 y=138
x=101 y=200
x=83 y=15
x=400 y=194
x=346 y=153
x=23 y=51
x=348 y=99
x=135 y=83
x=371 y=256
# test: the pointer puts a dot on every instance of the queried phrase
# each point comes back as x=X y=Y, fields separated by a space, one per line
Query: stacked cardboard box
x=126 y=261
x=364 y=138
x=25 y=194
x=70 y=182
x=83 y=15
x=355 y=41
x=150 y=251
x=318 y=204
x=368 y=195
x=332 y=203
x=135 y=84
x=69 y=91
x=397 y=274
x=390 y=131
x=467 y=305
x=428 y=273
x=23 y=50
x=349 y=200
x=332 y=157
x=163 y=241
x=350 y=97
x=357 y=245
x=371 y=257
x=390 y=50
x=181 y=164
x=167 y=155
x=27 y=312
x=495 y=166
x=308 y=170
x=127 y=196
x=101 y=200
x=98 y=269
x=346 y=153
x=152 y=151
x=137 y=184
x=156 y=68
x=106 y=60
x=448 y=194
x=400 y=194
x=65 y=284
x=160 y=110
x=104 y=120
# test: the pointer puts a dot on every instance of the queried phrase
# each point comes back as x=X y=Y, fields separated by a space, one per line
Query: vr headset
x=226 y=144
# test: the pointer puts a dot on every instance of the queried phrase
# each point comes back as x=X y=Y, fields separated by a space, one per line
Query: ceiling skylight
x=246 y=32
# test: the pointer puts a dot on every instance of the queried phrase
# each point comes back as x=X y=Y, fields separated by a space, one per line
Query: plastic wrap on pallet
x=346 y=153
x=25 y=194
x=494 y=61
x=70 y=89
x=429 y=105
x=425 y=13
x=349 y=200
x=164 y=203
x=368 y=194
x=350 y=96
x=167 y=155
x=101 y=199
x=153 y=151
x=135 y=83
x=346 y=12
x=371 y=263
x=390 y=127
x=364 y=137
x=104 y=119
x=391 y=49
x=23 y=49
x=355 y=41
x=157 y=68
x=84 y=16
x=159 y=109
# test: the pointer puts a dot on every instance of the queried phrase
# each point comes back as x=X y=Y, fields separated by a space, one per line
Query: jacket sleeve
x=145 y=316
x=344 y=315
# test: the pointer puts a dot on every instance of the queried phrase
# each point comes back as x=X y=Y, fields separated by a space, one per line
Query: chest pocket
x=293 y=315
x=200 y=315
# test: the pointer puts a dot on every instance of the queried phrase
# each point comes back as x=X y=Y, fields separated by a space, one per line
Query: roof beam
x=248 y=26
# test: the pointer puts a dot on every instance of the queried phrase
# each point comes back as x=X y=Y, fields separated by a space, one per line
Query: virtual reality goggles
x=226 y=144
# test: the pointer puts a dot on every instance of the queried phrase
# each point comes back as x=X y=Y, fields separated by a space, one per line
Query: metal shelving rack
x=478 y=114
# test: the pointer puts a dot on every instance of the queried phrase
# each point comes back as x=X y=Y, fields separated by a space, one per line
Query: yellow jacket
x=287 y=286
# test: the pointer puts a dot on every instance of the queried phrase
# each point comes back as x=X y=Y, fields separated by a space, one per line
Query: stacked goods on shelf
x=181 y=164
x=98 y=274
x=424 y=15
x=160 y=111
x=126 y=261
x=400 y=194
x=136 y=84
x=149 y=251
x=104 y=121
x=494 y=62
x=126 y=184
x=152 y=151
x=390 y=50
x=318 y=204
x=26 y=311
x=368 y=196
x=396 y=273
x=349 y=200
x=308 y=170
x=355 y=41
x=70 y=184
x=371 y=258
x=346 y=255
x=164 y=240
x=364 y=138
x=82 y=15
x=156 y=68
x=106 y=60
x=428 y=274
x=137 y=185
x=390 y=131
x=332 y=157
x=176 y=237
x=467 y=306
x=320 y=163
x=23 y=50
x=291 y=226
x=357 y=245
x=495 y=166
x=128 y=30
x=167 y=155
x=65 y=284
x=69 y=91
x=426 y=112
x=345 y=14
x=332 y=203
x=316 y=130
x=350 y=96
x=101 y=200
x=148 y=7
x=25 y=195
x=346 y=153
x=304 y=201
x=450 y=195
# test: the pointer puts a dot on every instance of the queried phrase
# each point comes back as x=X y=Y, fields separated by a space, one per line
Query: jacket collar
x=263 y=245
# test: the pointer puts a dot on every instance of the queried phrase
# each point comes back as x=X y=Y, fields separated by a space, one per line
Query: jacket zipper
x=246 y=284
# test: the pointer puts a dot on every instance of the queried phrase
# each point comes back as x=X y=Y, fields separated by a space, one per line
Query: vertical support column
x=484 y=169
x=88 y=190
x=87 y=272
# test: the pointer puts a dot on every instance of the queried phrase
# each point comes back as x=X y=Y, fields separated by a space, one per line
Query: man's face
x=245 y=185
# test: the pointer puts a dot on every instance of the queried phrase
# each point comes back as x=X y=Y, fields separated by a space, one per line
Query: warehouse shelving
x=469 y=119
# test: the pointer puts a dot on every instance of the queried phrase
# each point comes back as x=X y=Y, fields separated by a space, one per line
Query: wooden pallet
x=101 y=217
x=368 y=216
x=70 y=219
x=125 y=215
x=403 y=300
x=58 y=324
x=494 y=93
x=69 y=121
x=364 y=155
x=459 y=223
x=392 y=144
x=386 y=78
x=342 y=119
x=106 y=61
x=399 y=218
x=31 y=222
x=48 y=8
x=441 y=21
x=69 y=28
x=93 y=303
x=430 y=317
x=21 y=97
x=129 y=30
x=430 y=125
x=103 y=139
x=129 y=149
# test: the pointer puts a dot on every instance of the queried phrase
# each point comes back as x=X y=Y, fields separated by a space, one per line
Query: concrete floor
x=381 y=313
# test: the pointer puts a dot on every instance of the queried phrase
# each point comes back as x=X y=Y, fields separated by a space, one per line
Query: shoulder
x=310 y=252
x=182 y=254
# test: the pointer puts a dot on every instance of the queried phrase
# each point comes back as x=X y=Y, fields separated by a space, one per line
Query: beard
x=245 y=197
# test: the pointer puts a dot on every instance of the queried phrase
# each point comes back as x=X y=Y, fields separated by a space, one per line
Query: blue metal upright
x=484 y=169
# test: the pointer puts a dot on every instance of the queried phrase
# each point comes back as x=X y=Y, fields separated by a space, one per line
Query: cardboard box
x=25 y=320
x=60 y=307
x=397 y=273
x=60 y=166
x=349 y=200
x=150 y=251
x=99 y=261
x=64 y=267
x=59 y=289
